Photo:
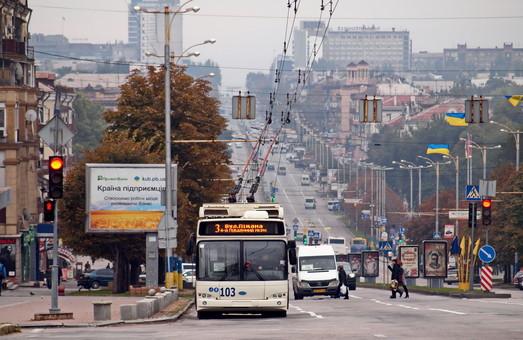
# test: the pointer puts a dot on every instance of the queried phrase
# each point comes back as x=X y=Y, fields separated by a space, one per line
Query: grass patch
x=98 y=292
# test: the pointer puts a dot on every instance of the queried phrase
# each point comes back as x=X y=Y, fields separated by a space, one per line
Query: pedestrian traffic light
x=49 y=210
x=486 y=213
x=56 y=177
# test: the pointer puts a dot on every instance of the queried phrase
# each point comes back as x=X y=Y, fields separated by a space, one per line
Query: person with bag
x=395 y=278
x=3 y=275
x=342 y=281
x=401 y=281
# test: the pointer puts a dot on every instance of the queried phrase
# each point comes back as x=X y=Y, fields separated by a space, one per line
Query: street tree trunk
x=121 y=271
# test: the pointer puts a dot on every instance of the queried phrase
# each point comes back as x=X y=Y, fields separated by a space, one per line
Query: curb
x=8 y=328
x=456 y=295
x=108 y=323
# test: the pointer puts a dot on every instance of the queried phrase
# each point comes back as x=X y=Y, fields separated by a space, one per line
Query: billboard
x=125 y=198
x=435 y=259
x=355 y=263
x=409 y=257
x=371 y=262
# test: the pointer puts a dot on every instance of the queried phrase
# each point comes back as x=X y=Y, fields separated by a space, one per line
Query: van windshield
x=336 y=241
x=309 y=200
x=317 y=263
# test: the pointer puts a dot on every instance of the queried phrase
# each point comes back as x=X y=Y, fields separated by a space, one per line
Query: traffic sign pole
x=471 y=270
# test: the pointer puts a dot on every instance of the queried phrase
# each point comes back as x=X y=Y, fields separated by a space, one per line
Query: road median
x=445 y=291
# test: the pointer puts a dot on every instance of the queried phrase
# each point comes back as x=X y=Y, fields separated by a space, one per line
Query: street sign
x=487 y=253
x=295 y=227
x=172 y=231
x=462 y=214
x=436 y=235
x=295 y=220
x=449 y=232
x=485 y=275
x=487 y=188
x=48 y=131
x=402 y=230
x=472 y=193
x=310 y=233
x=385 y=245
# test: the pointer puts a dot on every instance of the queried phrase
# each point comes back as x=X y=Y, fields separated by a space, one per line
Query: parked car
x=310 y=203
x=452 y=276
x=270 y=167
x=95 y=279
x=282 y=171
x=518 y=280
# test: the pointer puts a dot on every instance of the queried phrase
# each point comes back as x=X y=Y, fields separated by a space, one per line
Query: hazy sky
x=251 y=41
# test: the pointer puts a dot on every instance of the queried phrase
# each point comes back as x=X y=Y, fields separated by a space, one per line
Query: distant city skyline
x=250 y=33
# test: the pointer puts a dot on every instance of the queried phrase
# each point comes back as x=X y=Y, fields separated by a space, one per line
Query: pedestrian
x=402 y=281
x=87 y=267
x=3 y=275
x=395 y=278
x=342 y=281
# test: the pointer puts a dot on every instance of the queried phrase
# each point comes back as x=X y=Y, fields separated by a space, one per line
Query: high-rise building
x=146 y=30
x=382 y=50
x=463 y=58
x=306 y=36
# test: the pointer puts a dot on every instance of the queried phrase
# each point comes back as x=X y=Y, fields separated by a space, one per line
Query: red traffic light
x=48 y=206
x=56 y=162
x=486 y=203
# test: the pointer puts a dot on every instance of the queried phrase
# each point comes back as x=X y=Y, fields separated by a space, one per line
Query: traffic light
x=486 y=213
x=56 y=177
x=472 y=214
x=49 y=210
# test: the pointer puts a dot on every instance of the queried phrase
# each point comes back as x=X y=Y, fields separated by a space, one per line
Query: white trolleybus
x=242 y=260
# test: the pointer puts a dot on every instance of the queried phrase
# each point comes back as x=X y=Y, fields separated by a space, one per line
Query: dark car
x=95 y=279
x=270 y=167
x=518 y=280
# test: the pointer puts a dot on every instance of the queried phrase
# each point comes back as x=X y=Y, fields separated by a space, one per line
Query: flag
x=456 y=119
x=514 y=100
x=476 y=248
x=442 y=149
x=455 y=249
x=463 y=246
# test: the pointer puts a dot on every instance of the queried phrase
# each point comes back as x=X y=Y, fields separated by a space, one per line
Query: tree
x=203 y=173
x=89 y=124
x=123 y=250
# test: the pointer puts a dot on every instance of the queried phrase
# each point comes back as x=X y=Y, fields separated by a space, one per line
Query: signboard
x=472 y=193
x=370 y=261
x=355 y=263
x=125 y=198
x=487 y=253
x=47 y=133
x=462 y=215
x=240 y=227
x=487 y=188
x=435 y=259
x=8 y=255
x=371 y=110
x=244 y=107
x=409 y=257
x=448 y=231
x=295 y=227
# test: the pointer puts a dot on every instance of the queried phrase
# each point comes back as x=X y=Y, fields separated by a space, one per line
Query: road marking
x=37 y=330
x=499 y=302
x=408 y=307
x=312 y=314
x=448 y=311
x=382 y=303
x=356 y=297
x=380 y=335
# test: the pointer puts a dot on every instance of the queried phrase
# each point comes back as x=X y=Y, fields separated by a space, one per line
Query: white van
x=305 y=180
x=316 y=272
x=310 y=203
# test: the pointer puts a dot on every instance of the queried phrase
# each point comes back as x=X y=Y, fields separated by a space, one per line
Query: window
x=3 y=121
x=317 y=263
x=17 y=124
x=242 y=261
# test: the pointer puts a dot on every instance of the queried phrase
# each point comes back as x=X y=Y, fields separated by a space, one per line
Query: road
x=368 y=314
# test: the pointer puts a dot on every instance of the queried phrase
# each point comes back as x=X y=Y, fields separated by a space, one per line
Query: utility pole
x=54 y=271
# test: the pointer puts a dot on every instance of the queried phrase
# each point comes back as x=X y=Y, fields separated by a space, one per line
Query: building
x=19 y=153
x=464 y=58
x=146 y=31
x=305 y=36
x=384 y=50
x=428 y=62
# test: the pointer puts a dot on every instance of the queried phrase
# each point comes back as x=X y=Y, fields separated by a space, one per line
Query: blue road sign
x=310 y=233
x=295 y=227
x=385 y=245
x=402 y=230
x=472 y=193
x=487 y=253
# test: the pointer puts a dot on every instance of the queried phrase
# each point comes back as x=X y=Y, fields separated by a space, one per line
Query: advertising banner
x=370 y=261
x=435 y=259
x=409 y=257
x=355 y=263
x=125 y=198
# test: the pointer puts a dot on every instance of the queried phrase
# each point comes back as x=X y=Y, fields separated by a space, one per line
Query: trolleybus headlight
x=280 y=295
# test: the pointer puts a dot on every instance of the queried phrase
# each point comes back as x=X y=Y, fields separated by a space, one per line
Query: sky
x=250 y=33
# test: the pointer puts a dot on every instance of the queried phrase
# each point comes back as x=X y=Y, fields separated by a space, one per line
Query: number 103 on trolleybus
x=242 y=260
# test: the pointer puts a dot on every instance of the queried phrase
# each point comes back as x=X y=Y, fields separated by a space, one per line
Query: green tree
x=89 y=124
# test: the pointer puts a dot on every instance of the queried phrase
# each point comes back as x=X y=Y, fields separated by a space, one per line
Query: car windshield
x=309 y=200
x=242 y=261
x=336 y=241
x=317 y=263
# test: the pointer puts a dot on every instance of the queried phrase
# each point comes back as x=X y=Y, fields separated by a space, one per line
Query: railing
x=17 y=47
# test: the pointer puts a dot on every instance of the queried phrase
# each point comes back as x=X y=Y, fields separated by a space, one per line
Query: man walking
x=395 y=276
x=342 y=281
x=3 y=275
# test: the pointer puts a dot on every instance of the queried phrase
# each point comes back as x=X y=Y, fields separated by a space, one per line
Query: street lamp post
x=167 y=11
x=515 y=134
x=455 y=160
x=410 y=168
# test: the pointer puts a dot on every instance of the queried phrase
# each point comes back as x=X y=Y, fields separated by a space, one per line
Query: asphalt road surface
x=368 y=314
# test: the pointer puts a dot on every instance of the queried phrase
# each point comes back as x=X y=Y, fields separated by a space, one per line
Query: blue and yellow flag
x=435 y=149
x=515 y=100
x=456 y=119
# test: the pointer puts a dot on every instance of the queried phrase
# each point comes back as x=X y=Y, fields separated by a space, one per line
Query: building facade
x=146 y=30
x=483 y=59
x=19 y=152
x=305 y=36
x=384 y=50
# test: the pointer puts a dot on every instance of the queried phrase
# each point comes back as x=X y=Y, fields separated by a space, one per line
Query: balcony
x=17 y=49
